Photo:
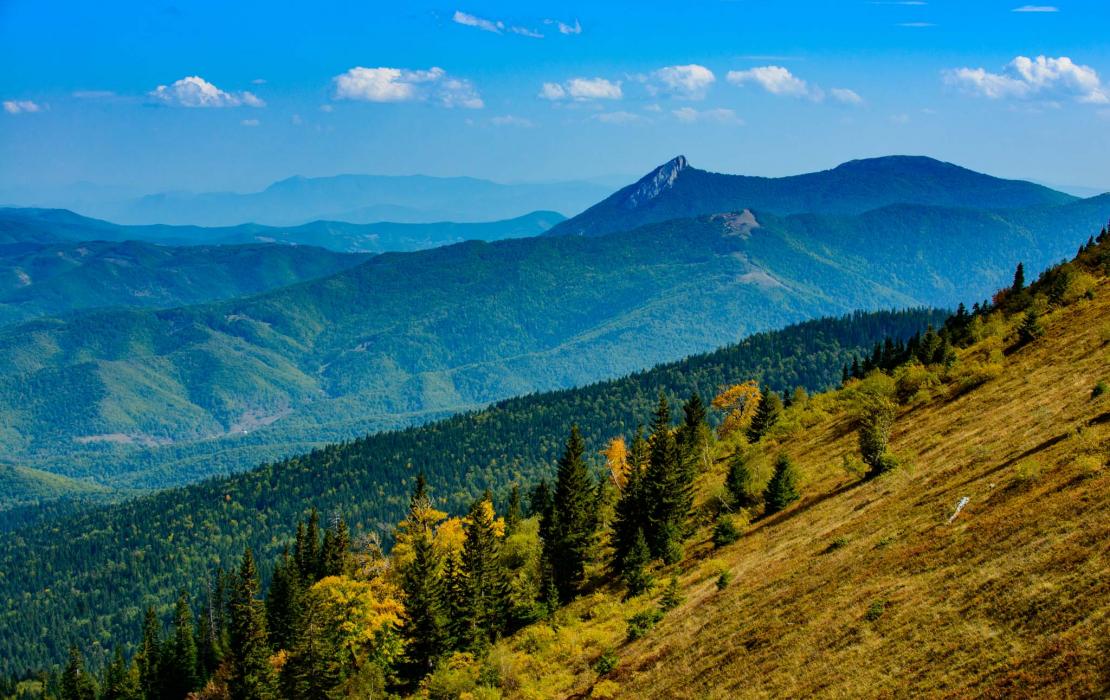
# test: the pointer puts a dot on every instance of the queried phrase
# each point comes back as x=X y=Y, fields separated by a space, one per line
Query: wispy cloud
x=525 y=31
x=690 y=115
x=195 y=92
x=1042 y=77
x=250 y=122
x=582 y=89
x=486 y=25
x=780 y=81
x=691 y=81
x=22 y=107
x=93 y=94
x=405 y=85
x=916 y=25
x=617 y=118
x=1036 y=8
x=565 y=28
x=511 y=120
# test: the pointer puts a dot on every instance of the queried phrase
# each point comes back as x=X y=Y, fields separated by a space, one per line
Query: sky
x=158 y=95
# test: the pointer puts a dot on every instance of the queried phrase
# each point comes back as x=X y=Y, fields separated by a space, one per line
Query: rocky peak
x=655 y=183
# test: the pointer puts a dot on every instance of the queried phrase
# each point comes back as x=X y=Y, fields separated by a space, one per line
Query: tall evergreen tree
x=738 y=480
x=150 y=656
x=514 y=514
x=336 y=549
x=767 y=413
x=121 y=680
x=485 y=579
x=573 y=520
x=284 y=602
x=179 y=654
x=693 y=435
x=1030 y=328
x=422 y=585
x=668 y=489
x=634 y=571
x=1019 y=278
x=252 y=677
x=456 y=602
x=77 y=683
x=629 y=519
x=783 y=487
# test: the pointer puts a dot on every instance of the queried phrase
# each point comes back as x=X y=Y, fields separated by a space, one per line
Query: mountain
x=55 y=225
x=677 y=190
x=141 y=399
x=105 y=558
x=354 y=199
x=51 y=279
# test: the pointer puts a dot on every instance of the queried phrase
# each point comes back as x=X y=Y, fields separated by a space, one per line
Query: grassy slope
x=1011 y=599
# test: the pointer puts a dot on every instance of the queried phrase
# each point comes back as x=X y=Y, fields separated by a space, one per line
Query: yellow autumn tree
x=739 y=402
x=422 y=517
x=616 y=459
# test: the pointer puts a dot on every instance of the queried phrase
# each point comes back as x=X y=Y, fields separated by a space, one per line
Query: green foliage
x=741 y=481
x=875 y=611
x=77 y=682
x=252 y=677
x=486 y=605
x=606 y=662
x=766 y=415
x=782 y=490
x=642 y=622
x=1099 y=389
x=876 y=420
x=725 y=531
x=574 y=522
x=634 y=569
x=672 y=596
x=668 y=490
x=1030 y=328
x=723 y=580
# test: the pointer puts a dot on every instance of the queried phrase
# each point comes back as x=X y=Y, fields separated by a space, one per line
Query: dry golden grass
x=1011 y=599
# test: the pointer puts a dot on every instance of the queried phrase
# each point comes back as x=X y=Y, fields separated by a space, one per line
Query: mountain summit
x=677 y=190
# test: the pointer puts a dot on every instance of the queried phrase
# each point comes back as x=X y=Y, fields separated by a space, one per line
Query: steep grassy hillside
x=676 y=190
x=75 y=578
x=25 y=226
x=56 y=279
x=142 y=398
x=881 y=588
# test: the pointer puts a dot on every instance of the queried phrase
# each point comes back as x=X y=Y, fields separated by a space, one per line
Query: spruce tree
x=766 y=415
x=422 y=586
x=668 y=490
x=284 y=602
x=121 y=680
x=782 y=490
x=77 y=683
x=179 y=654
x=1030 y=328
x=336 y=549
x=252 y=677
x=150 y=656
x=513 y=515
x=738 y=480
x=634 y=567
x=571 y=531
x=693 y=436
x=672 y=596
x=485 y=579
x=456 y=603
x=1019 y=279
x=307 y=549
x=629 y=519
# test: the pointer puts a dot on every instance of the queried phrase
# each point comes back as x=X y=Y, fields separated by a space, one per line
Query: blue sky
x=158 y=95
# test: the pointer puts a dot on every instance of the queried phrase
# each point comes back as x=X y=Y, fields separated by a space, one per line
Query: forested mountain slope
x=150 y=398
x=76 y=578
x=677 y=190
x=53 y=279
x=26 y=226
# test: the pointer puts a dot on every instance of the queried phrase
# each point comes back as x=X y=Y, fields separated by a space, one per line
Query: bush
x=605 y=690
x=723 y=580
x=641 y=623
x=725 y=532
x=875 y=611
x=913 y=383
x=672 y=596
x=606 y=662
x=876 y=420
x=838 y=543
x=1099 y=390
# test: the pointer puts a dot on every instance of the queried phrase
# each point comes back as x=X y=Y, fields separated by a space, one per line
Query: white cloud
x=486 y=25
x=845 y=95
x=690 y=81
x=774 y=79
x=565 y=28
x=258 y=81
x=22 y=107
x=404 y=85
x=525 y=31
x=1028 y=78
x=719 y=116
x=511 y=120
x=582 y=89
x=1036 y=8
x=195 y=91
x=93 y=94
x=327 y=108
x=617 y=117
x=250 y=122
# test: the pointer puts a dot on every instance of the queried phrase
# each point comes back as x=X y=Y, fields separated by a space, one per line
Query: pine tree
x=668 y=490
x=77 y=683
x=783 y=487
x=513 y=515
x=1019 y=279
x=150 y=656
x=179 y=654
x=1030 y=328
x=571 y=532
x=629 y=519
x=766 y=415
x=121 y=680
x=456 y=602
x=693 y=436
x=634 y=567
x=422 y=585
x=335 y=552
x=284 y=603
x=307 y=549
x=738 y=480
x=252 y=677
x=672 y=596
x=485 y=579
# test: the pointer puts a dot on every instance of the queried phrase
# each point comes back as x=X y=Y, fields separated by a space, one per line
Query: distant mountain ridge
x=677 y=190
x=353 y=199
x=33 y=225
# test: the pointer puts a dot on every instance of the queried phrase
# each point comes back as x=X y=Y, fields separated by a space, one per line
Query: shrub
x=876 y=420
x=605 y=690
x=672 y=596
x=913 y=383
x=606 y=662
x=782 y=490
x=1028 y=471
x=723 y=580
x=838 y=543
x=1099 y=390
x=642 y=622
x=725 y=532
x=966 y=376
x=875 y=611
x=1030 y=328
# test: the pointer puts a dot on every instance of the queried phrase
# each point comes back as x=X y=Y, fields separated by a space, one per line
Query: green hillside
x=55 y=575
x=676 y=190
x=137 y=398
x=53 y=279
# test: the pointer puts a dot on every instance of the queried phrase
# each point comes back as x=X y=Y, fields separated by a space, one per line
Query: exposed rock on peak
x=655 y=183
